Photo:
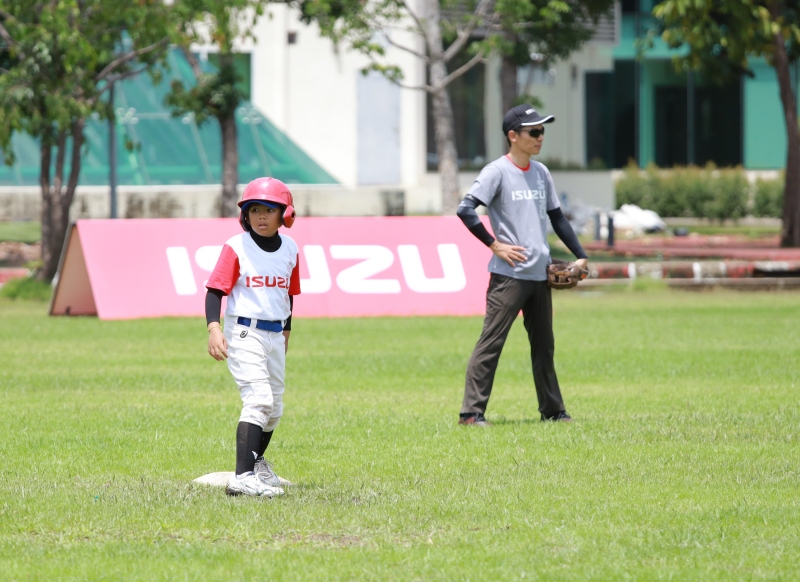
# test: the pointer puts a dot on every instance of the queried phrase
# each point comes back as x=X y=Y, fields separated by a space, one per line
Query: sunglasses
x=534 y=133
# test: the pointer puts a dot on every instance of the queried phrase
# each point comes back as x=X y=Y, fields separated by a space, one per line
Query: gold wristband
x=213 y=326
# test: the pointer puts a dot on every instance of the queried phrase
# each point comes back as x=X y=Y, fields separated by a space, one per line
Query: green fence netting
x=171 y=150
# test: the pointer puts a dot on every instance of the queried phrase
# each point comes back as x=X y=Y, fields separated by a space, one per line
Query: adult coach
x=520 y=195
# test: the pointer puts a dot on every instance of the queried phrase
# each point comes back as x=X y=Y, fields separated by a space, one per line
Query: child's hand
x=217 y=344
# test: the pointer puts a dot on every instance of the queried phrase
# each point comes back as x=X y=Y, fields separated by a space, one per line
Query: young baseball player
x=258 y=271
x=520 y=196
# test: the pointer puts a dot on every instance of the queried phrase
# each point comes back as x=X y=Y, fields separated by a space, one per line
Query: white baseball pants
x=257 y=361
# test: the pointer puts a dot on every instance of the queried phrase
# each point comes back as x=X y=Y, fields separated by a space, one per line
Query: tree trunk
x=52 y=235
x=443 y=122
x=57 y=198
x=45 y=157
x=790 y=234
x=230 y=165
x=444 y=135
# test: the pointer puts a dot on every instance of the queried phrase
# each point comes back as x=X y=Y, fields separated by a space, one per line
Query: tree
x=441 y=29
x=216 y=93
x=546 y=30
x=60 y=58
x=721 y=36
x=367 y=26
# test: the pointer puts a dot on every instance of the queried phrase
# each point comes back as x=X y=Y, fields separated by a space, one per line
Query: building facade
x=368 y=144
x=622 y=107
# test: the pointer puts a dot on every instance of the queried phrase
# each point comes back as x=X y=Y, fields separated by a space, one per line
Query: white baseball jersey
x=258 y=283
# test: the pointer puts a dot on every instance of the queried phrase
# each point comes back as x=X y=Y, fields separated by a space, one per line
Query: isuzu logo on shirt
x=528 y=195
x=267 y=281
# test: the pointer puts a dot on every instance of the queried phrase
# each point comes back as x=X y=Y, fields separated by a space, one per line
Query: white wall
x=308 y=89
x=565 y=98
x=24 y=202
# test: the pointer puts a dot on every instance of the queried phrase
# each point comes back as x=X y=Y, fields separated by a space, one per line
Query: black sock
x=265 y=438
x=248 y=440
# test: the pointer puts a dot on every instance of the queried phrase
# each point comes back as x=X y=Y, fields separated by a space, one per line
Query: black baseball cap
x=523 y=115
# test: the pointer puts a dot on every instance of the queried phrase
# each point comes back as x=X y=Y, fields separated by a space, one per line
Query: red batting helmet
x=268 y=190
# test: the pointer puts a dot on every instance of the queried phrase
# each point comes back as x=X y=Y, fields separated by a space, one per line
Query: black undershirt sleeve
x=213 y=305
x=563 y=229
x=288 y=326
x=466 y=212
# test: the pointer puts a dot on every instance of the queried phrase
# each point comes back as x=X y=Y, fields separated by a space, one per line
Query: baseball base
x=219 y=479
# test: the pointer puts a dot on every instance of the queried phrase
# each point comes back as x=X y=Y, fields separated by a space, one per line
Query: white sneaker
x=249 y=484
x=267 y=476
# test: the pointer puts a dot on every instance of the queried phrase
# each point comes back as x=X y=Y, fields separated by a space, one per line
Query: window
x=466 y=98
x=538 y=74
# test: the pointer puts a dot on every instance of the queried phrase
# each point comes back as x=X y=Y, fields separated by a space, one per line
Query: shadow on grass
x=519 y=421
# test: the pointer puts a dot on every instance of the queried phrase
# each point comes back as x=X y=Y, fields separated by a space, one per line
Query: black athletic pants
x=505 y=298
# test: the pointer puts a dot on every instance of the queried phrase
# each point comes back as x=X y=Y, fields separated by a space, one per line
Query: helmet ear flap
x=288 y=216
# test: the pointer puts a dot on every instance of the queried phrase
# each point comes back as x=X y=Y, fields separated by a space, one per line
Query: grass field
x=20 y=231
x=682 y=463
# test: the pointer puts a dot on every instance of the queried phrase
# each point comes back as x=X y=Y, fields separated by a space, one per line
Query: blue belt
x=261 y=324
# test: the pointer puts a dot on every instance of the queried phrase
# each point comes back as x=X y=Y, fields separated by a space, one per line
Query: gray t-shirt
x=518 y=202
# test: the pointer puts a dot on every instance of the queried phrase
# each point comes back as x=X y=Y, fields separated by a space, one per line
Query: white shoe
x=249 y=484
x=267 y=476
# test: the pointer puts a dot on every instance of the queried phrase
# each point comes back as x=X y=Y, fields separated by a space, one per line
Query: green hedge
x=708 y=192
x=768 y=198
x=26 y=288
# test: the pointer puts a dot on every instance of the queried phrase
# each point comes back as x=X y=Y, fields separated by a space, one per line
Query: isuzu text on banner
x=364 y=266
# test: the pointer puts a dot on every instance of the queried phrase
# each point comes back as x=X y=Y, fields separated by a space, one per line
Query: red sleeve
x=226 y=272
x=294 y=281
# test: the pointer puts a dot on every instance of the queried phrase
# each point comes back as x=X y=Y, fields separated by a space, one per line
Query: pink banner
x=349 y=267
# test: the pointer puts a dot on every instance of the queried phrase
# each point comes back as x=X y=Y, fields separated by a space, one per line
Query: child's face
x=264 y=220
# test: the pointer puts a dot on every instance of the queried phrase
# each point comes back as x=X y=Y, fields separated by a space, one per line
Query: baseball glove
x=564 y=275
